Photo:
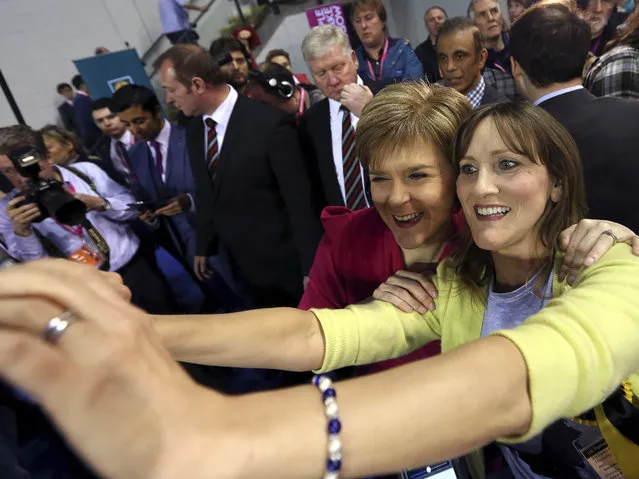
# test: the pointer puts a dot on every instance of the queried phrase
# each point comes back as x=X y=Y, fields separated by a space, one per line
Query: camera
x=47 y=194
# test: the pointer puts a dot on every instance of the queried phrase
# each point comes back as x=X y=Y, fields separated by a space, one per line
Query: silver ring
x=58 y=325
x=612 y=235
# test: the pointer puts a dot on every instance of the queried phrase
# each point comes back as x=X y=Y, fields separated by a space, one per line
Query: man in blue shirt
x=175 y=20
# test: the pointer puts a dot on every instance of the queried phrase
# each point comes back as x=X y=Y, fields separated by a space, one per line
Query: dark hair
x=529 y=131
x=278 y=72
x=18 y=136
x=376 y=5
x=458 y=25
x=550 y=43
x=278 y=52
x=435 y=7
x=62 y=86
x=223 y=45
x=628 y=33
x=135 y=95
x=77 y=81
x=273 y=71
x=101 y=103
x=191 y=61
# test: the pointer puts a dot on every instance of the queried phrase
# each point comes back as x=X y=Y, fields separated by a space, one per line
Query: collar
x=477 y=93
x=334 y=105
x=380 y=52
x=557 y=93
x=222 y=114
x=80 y=92
x=127 y=138
x=164 y=135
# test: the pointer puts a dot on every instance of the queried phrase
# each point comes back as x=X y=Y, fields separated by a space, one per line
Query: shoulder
x=491 y=95
x=316 y=112
x=346 y=227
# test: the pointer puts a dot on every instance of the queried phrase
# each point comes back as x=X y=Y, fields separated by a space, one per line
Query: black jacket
x=261 y=205
x=606 y=131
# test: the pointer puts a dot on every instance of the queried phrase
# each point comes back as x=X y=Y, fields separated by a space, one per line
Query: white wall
x=40 y=38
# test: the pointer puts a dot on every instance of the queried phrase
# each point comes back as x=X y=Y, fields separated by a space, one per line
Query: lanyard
x=381 y=62
x=596 y=45
x=498 y=66
x=302 y=106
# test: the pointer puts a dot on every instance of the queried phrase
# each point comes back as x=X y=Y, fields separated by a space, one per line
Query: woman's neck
x=373 y=50
x=496 y=43
x=512 y=272
x=426 y=253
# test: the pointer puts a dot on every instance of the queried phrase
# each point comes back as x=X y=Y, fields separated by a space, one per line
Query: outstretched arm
x=277 y=338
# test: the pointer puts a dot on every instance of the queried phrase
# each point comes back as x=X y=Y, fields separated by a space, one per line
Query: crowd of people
x=408 y=224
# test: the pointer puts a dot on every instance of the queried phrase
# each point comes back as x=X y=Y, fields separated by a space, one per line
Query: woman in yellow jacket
x=111 y=387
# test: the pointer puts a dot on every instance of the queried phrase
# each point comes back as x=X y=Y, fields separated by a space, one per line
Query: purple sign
x=327 y=15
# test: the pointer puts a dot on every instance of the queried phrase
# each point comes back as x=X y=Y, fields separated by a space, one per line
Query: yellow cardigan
x=588 y=335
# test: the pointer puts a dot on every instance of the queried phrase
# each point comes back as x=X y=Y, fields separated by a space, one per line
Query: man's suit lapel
x=325 y=158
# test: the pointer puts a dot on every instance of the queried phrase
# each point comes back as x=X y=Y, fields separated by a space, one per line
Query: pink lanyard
x=302 y=102
x=596 y=45
x=381 y=62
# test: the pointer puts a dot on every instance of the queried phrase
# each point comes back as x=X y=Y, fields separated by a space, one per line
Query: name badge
x=594 y=449
x=86 y=255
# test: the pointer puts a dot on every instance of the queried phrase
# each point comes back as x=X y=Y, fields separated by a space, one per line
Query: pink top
x=358 y=253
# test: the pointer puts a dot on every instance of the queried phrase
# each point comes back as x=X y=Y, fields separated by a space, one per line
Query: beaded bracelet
x=334 y=459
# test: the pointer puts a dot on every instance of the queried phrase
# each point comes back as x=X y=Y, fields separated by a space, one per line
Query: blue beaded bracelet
x=334 y=450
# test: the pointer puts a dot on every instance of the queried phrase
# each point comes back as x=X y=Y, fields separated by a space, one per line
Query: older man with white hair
x=327 y=129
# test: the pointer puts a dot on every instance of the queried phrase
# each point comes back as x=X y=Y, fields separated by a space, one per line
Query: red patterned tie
x=212 y=149
x=353 y=186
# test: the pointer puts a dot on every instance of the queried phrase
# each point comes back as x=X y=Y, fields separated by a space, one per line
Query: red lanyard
x=596 y=45
x=302 y=106
x=381 y=62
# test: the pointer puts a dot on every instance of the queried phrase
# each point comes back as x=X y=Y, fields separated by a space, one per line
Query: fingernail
x=431 y=306
x=589 y=260
x=422 y=309
x=434 y=294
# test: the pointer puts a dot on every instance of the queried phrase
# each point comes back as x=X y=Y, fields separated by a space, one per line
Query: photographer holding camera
x=74 y=212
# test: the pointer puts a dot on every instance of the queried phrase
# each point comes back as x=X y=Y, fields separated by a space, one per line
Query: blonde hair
x=321 y=39
x=61 y=136
x=405 y=113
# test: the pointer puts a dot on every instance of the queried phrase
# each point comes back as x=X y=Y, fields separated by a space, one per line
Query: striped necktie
x=353 y=187
x=212 y=148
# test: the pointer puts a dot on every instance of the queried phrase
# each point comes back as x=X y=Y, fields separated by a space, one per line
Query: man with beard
x=603 y=19
x=230 y=55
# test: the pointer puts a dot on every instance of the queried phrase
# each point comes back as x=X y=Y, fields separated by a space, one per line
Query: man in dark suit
x=66 y=109
x=82 y=108
x=254 y=195
x=462 y=57
x=163 y=180
x=549 y=47
x=327 y=129
x=112 y=147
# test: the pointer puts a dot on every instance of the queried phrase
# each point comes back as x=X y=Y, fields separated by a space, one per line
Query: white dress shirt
x=128 y=140
x=557 y=93
x=163 y=139
x=336 y=140
x=221 y=116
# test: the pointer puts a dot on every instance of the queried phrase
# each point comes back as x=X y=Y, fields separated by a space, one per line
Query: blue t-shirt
x=173 y=16
x=540 y=455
